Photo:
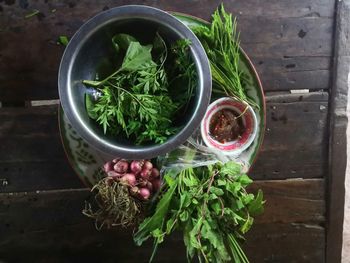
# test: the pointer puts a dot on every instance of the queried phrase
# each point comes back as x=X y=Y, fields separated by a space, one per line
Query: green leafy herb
x=136 y=99
x=184 y=73
x=221 y=43
x=63 y=40
x=89 y=104
x=210 y=206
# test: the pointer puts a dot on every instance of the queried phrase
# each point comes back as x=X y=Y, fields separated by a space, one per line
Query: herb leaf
x=90 y=107
x=137 y=99
x=151 y=224
x=222 y=45
x=136 y=55
x=211 y=207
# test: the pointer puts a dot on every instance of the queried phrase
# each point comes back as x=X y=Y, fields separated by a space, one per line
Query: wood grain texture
x=57 y=226
x=269 y=30
x=292 y=201
x=31 y=152
x=338 y=126
x=32 y=157
x=295 y=142
x=299 y=243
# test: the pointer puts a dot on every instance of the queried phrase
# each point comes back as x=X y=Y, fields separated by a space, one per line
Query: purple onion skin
x=121 y=167
x=136 y=166
x=155 y=173
x=157 y=183
x=147 y=165
x=144 y=193
x=140 y=175
x=150 y=186
x=129 y=178
x=145 y=174
x=108 y=166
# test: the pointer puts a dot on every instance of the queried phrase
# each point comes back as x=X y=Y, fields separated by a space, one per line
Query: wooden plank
x=293 y=200
x=311 y=80
x=32 y=155
x=56 y=225
x=78 y=243
x=288 y=64
x=289 y=72
x=297 y=28
x=286 y=36
x=295 y=143
x=292 y=243
x=298 y=48
x=338 y=134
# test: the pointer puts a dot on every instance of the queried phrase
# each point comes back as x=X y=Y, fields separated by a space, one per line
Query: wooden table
x=300 y=50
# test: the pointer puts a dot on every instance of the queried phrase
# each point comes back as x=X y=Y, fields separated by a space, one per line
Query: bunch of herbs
x=222 y=45
x=137 y=100
x=212 y=208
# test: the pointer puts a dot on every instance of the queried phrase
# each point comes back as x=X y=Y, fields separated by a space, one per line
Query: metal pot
x=92 y=43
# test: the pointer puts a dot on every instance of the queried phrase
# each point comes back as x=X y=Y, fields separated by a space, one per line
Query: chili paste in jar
x=225 y=126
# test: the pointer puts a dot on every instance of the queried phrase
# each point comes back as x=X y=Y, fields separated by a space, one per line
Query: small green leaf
x=122 y=41
x=63 y=40
x=247 y=225
x=221 y=182
x=156 y=220
x=169 y=225
x=217 y=191
x=216 y=239
x=89 y=105
x=256 y=207
x=231 y=168
x=189 y=182
x=216 y=206
x=136 y=55
x=233 y=187
x=92 y=83
x=184 y=216
x=244 y=180
x=212 y=197
x=158 y=234
x=247 y=198
x=194 y=233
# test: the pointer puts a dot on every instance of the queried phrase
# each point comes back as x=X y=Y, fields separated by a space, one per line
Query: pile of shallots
x=141 y=176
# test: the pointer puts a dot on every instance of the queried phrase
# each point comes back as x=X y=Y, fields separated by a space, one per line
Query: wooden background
x=291 y=45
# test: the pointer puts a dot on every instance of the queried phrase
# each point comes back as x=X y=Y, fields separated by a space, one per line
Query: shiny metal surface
x=91 y=44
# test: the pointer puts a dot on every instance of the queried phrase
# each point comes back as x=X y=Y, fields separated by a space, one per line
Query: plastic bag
x=194 y=153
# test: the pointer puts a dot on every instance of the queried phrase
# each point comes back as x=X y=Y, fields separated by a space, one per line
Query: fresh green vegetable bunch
x=212 y=208
x=221 y=43
x=138 y=98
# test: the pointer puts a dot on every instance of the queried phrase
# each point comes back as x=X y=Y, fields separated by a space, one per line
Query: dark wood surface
x=338 y=139
x=291 y=44
x=295 y=212
x=294 y=138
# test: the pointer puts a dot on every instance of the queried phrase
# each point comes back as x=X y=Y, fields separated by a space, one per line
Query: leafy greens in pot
x=141 y=98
